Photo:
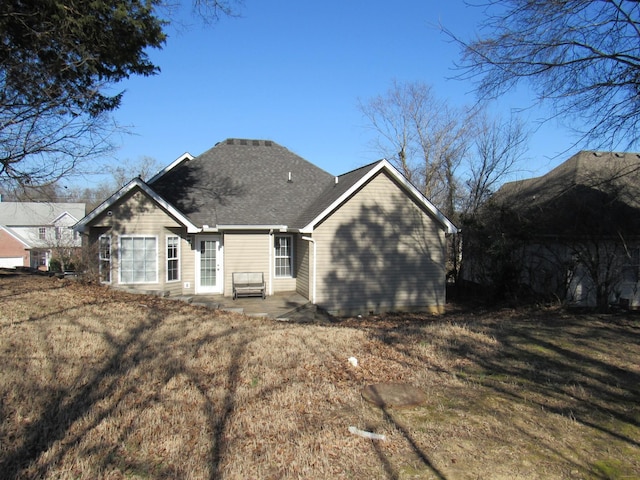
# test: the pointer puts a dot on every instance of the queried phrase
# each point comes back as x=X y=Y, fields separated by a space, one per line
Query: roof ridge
x=250 y=142
x=369 y=165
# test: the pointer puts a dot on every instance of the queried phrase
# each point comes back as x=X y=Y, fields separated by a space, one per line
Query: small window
x=105 y=258
x=173 y=259
x=283 y=255
x=42 y=233
x=58 y=233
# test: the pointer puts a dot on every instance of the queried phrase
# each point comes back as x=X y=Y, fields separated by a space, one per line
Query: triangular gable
x=408 y=187
x=16 y=236
x=136 y=182
x=184 y=157
x=62 y=215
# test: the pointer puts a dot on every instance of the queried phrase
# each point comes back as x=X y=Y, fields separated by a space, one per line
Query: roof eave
x=16 y=236
x=279 y=228
x=184 y=157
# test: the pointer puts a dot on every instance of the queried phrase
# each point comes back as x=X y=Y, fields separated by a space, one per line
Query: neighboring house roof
x=255 y=184
x=26 y=214
x=590 y=192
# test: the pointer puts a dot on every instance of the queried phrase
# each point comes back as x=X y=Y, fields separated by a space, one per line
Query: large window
x=283 y=255
x=138 y=259
x=173 y=259
x=104 y=254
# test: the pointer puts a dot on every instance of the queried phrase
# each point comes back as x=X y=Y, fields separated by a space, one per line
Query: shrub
x=55 y=265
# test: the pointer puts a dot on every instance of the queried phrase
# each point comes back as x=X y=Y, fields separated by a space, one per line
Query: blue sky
x=293 y=71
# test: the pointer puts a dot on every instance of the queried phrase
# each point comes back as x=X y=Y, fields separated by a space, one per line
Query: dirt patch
x=389 y=395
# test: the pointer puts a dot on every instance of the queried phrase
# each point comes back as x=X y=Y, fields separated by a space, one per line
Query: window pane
x=283 y=256
x=172 y=259
x=138 y=259
x=105 y=258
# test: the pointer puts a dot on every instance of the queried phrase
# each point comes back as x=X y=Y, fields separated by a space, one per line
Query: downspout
x=315 y=261
x=271 y=266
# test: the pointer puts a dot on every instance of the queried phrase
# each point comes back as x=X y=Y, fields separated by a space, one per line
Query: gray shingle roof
x=591 y=191
x=26 y=214
x=245 y=182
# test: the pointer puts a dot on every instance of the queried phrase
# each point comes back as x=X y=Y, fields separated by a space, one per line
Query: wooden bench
x=248 y=284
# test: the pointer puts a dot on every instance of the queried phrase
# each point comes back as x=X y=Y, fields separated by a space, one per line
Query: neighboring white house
x=31 y=233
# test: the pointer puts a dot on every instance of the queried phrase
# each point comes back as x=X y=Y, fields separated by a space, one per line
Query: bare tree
x=583 y=56
x=498 y=146
x=422 y=135
x=124 y=171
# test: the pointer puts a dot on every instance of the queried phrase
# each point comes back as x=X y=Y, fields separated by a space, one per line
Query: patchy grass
x=102 y=384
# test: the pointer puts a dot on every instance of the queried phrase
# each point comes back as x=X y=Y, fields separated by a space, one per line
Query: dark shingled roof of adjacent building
x=591 y=191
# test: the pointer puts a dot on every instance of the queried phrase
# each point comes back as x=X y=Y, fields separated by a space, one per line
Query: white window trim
x=276 y=257
x=100 y=259
x=120 y=237
x=166 y=250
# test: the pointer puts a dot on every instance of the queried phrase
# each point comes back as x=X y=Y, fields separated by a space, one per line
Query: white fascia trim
x=16 y=236
x=278 y=228
x=62 y=215
x=185 y=156
x=136 y=182
x=415 y=193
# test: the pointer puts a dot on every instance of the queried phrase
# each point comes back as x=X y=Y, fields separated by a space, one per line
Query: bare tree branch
x=581 y=56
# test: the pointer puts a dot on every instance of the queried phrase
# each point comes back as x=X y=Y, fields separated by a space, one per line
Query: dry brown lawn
x=102 y=384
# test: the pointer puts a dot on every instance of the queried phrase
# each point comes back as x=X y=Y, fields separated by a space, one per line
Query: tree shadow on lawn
x=89 y=414
x=581 y=367
x=72 y=411
x=65 y=406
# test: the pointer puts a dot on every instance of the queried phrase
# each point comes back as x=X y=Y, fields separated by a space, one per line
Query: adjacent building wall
x=12 y=251
x=380 y=251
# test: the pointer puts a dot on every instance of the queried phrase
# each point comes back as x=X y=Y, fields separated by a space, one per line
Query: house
x=32 y=233
x=573 y=233
x=363 y=241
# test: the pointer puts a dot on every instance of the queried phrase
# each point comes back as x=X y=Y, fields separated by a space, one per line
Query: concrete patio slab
x=280 y=306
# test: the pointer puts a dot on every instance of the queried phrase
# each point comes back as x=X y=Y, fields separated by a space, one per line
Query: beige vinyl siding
x=303 y=267
x=245 y=252
x=380 y=251
x=138 y=215
x=187 y=263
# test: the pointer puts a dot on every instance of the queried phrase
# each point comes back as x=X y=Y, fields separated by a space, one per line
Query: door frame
x=219 y=287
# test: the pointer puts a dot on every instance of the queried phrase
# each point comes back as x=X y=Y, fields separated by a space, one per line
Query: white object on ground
x=365 y=434
x=353 y=361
